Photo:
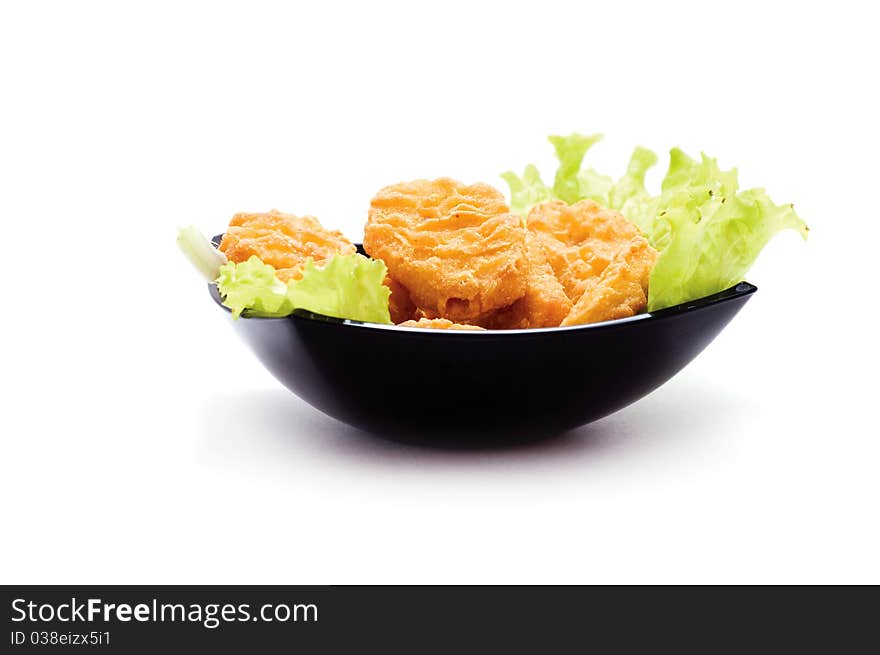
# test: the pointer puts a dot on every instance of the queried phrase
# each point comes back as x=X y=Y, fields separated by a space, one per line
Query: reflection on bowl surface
x=397 y=380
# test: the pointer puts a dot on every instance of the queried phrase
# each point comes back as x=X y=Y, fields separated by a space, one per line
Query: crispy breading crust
x=620 y=290
x=579 y=240
x=438 y=324
x=400 y=305
x=282 y=240
x=457 y=249
x=544 y=304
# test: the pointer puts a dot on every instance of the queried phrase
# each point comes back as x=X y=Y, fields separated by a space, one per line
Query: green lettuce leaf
x=710 y=247
x=629 y=195
x=707 y=231
x=570 y=151
x=253 y=286
x=526 y=191
x=348 y=286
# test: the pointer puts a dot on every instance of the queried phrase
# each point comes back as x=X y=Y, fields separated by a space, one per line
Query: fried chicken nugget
x=622 y=288
x=400 y=305
x=579 y=240
x=282 y=240
x=545 y=303
x=457 y=249
x=438 y=324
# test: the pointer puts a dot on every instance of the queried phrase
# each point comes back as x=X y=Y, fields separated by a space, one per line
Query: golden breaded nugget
x=579 y=240
x=457 y=249
x=282 y=240
x=544 y=304
x=400 y=305
x=438 y=324
x=622 y=288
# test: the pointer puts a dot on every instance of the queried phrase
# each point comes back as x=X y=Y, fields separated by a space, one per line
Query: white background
x=142 y=443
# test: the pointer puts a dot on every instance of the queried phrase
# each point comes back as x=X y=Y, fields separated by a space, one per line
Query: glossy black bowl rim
x=736 y=291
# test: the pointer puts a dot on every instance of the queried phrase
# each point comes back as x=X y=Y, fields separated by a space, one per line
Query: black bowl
x=394 y=380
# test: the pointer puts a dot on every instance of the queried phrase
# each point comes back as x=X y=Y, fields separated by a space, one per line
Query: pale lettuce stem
x=200 y=252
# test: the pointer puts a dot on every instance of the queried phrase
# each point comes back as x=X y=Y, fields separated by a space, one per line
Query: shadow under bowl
x=408 y=381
